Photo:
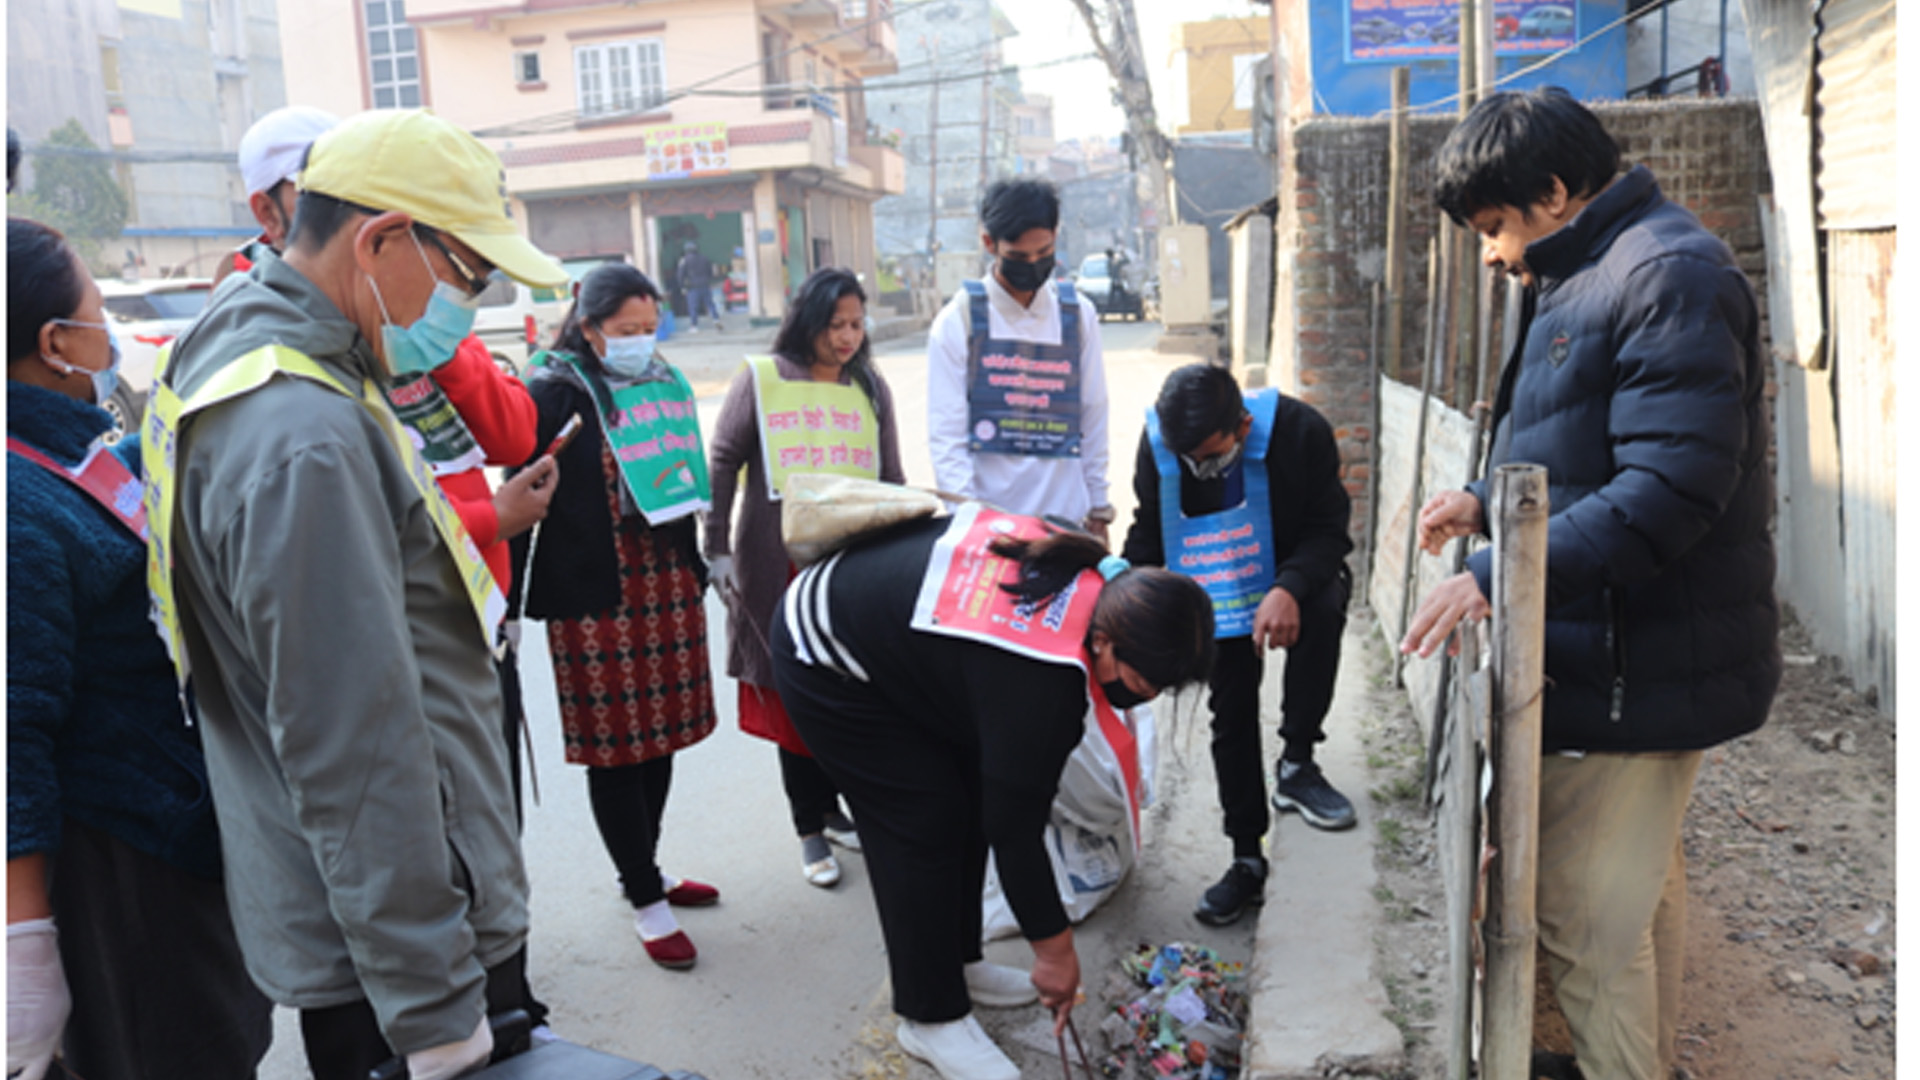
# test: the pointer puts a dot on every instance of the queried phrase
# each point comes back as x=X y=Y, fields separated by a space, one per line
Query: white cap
x=274 y=148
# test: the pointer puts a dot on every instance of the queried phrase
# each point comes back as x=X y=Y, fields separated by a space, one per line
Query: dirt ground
x=1791 y=920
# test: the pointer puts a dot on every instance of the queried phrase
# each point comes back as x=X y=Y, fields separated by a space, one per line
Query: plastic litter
x=1182 y=1016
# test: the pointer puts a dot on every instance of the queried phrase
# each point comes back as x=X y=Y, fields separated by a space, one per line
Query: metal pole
x=933 y=161
x=986 y=122
x=1519 y=512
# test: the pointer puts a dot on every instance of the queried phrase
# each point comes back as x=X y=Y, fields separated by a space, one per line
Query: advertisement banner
x=679 y=151
x=1399 y=30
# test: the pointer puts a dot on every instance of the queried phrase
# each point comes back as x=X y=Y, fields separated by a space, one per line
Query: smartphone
x=567 y=431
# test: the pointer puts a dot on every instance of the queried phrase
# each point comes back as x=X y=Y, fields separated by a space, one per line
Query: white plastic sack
x=1091 y=834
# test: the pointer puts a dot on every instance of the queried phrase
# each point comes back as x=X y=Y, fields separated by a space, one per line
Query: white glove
x=37 y=998
x=449 y=1060
x=720 y=574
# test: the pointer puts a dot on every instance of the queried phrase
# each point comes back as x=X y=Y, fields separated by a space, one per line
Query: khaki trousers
x=1612 y=904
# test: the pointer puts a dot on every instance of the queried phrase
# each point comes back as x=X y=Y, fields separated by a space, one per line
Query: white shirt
x=1067 y=486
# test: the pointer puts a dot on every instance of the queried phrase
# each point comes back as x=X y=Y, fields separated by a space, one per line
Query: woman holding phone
x=616 y=573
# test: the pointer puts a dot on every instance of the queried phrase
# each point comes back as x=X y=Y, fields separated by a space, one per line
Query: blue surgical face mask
x=107 y=379
x=431 y=340
x=632 y=357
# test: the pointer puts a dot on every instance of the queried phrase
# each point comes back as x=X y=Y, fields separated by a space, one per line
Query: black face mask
x=1026 y=276
x=1120 y=695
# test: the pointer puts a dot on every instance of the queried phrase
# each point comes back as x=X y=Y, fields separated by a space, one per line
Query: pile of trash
x=1183 y=1018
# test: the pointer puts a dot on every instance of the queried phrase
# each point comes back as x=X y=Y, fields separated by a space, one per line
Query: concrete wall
x=1331 y=233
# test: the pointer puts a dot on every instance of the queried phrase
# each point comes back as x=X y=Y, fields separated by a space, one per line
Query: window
x=526 y=67
x=620 y=77
x=774 y=70
x=1245 y=80
x=393 y=56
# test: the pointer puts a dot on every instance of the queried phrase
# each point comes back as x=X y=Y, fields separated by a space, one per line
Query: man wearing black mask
x=1242 y=492
x=1016 y=387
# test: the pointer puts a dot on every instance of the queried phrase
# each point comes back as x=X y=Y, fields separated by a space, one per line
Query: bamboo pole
x=1519 y=513
x=1373 y=442
x=1436 y=348
x=1396 y=268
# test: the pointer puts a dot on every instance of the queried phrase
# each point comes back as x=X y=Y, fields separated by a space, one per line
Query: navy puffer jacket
x=1639 y=383
x=95 y=731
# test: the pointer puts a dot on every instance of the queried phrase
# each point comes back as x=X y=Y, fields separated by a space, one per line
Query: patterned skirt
x=635 y=682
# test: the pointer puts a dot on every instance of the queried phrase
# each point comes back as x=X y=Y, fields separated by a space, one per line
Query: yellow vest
x=165 y=412
x=813 y=427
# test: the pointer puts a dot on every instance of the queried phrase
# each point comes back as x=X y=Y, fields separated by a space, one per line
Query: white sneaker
x=958 y=1050
x=999 y=986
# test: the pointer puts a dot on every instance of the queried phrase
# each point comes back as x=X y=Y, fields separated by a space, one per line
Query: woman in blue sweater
x=110 y=829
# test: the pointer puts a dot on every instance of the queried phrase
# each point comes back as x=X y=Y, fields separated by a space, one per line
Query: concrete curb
x=1316 y=1003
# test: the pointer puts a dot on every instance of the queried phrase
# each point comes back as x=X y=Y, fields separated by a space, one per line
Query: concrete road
x=792 y=979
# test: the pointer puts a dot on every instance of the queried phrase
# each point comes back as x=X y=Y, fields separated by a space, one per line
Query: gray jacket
x=350 y=712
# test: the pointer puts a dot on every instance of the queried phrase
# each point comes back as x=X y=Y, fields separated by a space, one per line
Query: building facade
x=951 y=108
x=738 y=126
x=1215 y=61
x=165 y=88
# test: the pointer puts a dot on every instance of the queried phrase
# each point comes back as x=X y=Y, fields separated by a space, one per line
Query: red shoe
x=692 y=894
x=674 y=951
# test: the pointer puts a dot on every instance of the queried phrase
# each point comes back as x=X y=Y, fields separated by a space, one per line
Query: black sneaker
x=1244 y=886
x=1547 y=1065
x=1300 y=786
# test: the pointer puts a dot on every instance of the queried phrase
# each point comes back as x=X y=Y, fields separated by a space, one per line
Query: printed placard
x=654 y=432
x=1397 y=30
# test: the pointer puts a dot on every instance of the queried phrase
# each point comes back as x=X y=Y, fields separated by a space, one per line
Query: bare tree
x=1116 y=37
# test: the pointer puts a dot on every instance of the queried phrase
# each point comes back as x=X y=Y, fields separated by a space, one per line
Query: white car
x=515 y=320
x=146 y=315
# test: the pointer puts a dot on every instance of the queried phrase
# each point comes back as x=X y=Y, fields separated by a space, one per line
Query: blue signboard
x=1357 y=43
x=1394 y=31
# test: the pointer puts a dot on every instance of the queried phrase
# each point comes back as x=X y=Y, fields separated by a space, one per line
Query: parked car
x=514 y=320
x=145 y=316
x=1107 y=289
x=1550 y=20
x=1377 y=30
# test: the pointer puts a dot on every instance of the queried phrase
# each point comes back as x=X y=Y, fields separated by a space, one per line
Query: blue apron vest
x=1228 y=552
x=1023 y=397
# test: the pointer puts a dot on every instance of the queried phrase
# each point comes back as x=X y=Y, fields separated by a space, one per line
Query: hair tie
x=1112 y=566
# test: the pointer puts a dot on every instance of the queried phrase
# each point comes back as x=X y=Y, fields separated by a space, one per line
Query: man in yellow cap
x=335 y=619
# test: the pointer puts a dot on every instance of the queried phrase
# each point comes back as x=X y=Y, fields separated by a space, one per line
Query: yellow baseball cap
x=413 y=161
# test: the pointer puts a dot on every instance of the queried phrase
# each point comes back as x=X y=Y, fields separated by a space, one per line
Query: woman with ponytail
x=941 y=673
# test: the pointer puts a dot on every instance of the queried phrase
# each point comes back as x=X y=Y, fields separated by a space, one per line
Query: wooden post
x=1396 y=268
x=1518 y=511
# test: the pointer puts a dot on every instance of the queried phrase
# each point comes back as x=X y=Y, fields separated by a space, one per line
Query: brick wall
x=1330 y=241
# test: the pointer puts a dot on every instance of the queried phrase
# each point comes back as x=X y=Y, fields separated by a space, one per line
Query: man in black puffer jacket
x=1639 y=383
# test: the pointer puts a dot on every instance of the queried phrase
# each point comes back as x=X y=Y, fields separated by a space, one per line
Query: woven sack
x=820 y=513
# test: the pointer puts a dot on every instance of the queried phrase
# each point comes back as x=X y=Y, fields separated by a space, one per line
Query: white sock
x=655 y=921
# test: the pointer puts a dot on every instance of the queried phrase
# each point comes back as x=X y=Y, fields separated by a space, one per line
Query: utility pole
x=933 y=155
x=1116 y=39
x=986 y=114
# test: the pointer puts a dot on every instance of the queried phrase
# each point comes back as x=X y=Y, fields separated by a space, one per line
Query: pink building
x=630 y=130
